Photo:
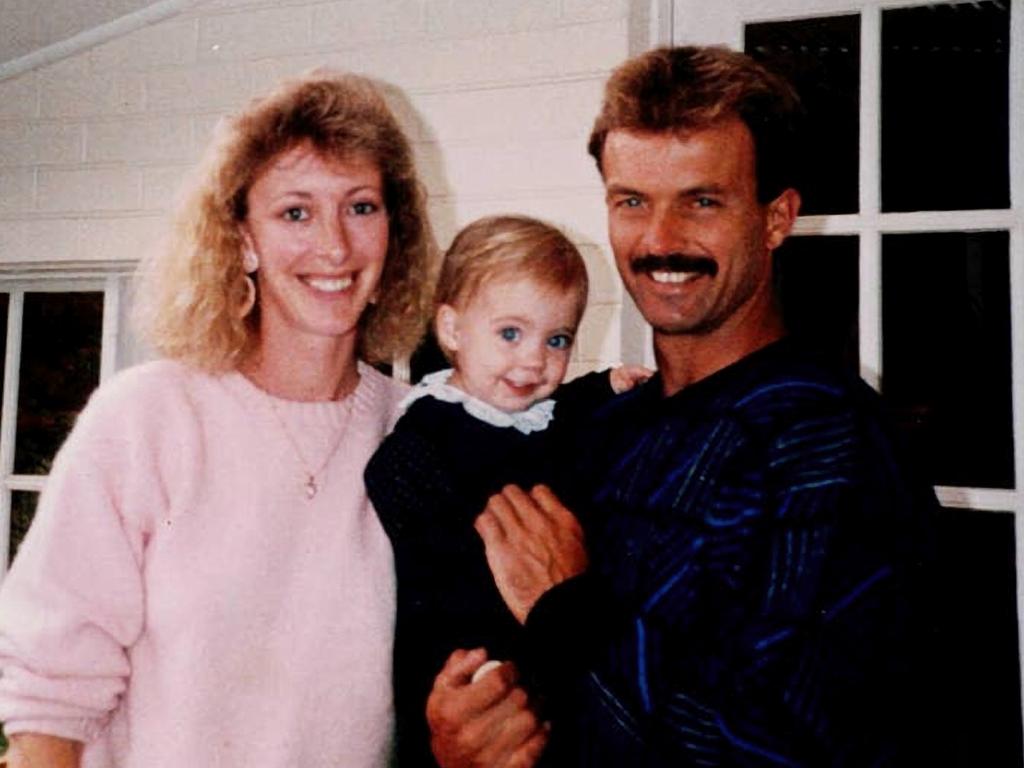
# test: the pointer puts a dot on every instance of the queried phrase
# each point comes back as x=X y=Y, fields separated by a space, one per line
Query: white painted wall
x=497 y=95
x=27 y=25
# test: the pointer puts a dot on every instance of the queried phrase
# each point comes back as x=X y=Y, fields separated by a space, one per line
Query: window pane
x=946 y=353
x=60 y=367
x=817 y=285
x=945 y=97
x=976 y=584
x=23 y=507
x=821 y=57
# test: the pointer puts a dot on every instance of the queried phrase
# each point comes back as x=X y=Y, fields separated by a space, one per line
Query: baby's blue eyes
x=560 y=341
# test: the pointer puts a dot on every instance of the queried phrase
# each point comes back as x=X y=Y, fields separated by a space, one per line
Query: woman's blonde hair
x=193 y=291
x=509 y=246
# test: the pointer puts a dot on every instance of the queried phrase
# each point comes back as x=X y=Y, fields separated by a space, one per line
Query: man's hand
x=533 y=543
x=482 y=724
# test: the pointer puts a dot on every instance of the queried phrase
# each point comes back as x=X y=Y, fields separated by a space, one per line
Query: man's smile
x=674 y=267
x=661 y=276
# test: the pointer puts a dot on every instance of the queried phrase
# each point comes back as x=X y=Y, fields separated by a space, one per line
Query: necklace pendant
x=310 y=486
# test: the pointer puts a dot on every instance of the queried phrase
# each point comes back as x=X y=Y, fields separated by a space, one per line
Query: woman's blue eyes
x=510 y=334
x=298 y=213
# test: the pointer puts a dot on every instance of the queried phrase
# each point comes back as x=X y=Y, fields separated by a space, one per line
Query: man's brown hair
x=688 y=88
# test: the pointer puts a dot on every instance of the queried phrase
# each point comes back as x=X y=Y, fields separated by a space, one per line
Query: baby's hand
x=625 y=377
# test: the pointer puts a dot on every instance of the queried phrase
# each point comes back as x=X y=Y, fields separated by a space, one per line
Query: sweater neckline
x=326 y=412
x=536 y=418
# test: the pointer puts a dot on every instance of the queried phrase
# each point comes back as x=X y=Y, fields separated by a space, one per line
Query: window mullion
x=32 y=483
x=9 y=416
x=976 y=499
x=111 y=324
x=1017 y=268
x=870 y=302
x=1017 y=296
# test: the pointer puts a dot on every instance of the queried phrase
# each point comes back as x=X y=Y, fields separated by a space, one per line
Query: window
x=63 y=334
x=939 y=348
x=907 y=265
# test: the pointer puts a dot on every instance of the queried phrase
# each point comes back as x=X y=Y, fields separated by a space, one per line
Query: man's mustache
x=674 y=262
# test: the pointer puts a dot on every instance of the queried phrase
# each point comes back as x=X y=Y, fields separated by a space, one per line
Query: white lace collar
x=534 y=419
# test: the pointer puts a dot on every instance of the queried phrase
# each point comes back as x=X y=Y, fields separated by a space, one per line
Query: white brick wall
x=497 y=95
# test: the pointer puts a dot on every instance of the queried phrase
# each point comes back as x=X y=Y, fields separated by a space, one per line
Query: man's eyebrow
x=621 y=189
x=694 y=191
x=703 y=189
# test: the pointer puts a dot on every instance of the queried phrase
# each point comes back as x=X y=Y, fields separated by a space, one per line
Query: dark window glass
x=821 y=57
x=978 y=665
x=945 y=107
x=946 y=353
x=816 y=280
x=60 y=367
x=23 y=507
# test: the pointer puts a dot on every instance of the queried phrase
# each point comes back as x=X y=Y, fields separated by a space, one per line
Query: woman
x=205 y=582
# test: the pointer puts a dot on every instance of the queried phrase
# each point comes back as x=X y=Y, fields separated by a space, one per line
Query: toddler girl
x=511 y=294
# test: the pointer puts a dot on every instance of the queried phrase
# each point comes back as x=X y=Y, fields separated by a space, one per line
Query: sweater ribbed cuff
x=567 y=625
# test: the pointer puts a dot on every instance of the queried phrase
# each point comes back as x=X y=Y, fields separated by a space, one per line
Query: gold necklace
x=310 y=486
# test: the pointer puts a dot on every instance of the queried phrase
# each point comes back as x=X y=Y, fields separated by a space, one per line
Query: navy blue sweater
x=756 y=595
x=428 y=481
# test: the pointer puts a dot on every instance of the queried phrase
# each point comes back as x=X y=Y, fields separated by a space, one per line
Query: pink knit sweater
x=180 y=602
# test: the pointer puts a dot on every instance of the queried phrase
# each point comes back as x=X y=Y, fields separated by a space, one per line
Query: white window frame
x=116 y=351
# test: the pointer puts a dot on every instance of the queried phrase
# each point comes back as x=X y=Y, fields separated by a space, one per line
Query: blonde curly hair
x=192 y=291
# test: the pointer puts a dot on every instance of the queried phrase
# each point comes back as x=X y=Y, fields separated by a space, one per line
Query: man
x=749 y=589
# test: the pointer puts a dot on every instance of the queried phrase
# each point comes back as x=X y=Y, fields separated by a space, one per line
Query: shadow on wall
x=427 y=153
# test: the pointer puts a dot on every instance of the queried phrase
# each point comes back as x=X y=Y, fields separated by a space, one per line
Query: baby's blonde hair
x=193 y=290
x=509 y=245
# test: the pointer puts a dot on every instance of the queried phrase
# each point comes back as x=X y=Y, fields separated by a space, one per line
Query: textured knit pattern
x=757 y=553
x=428 y=481
x=180 y=602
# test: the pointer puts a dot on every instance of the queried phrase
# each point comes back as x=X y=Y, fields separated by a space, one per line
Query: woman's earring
x=250 y=263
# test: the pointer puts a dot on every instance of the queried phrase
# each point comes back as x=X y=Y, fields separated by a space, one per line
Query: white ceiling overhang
x=36 y=32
